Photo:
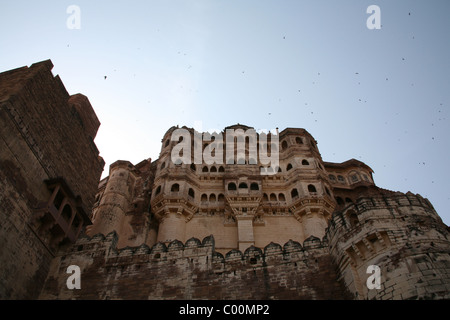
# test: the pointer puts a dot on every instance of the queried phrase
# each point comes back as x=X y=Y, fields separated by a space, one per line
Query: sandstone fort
x=235 y=222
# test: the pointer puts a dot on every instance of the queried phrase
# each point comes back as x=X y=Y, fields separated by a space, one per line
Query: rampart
x=194 y=270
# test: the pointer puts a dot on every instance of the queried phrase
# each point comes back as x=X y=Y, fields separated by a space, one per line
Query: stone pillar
x=115 y=200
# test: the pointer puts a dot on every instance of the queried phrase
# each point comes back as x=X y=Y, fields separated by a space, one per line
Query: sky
x=381 y=96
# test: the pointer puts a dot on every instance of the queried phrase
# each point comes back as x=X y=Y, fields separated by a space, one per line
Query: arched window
x=352 y=218
x=339 y=200
x=221 y=169
x=204 y=198
x=175 y=187
x=332 y=177
x=163 y=165
x=279 y=169
x=213 y=169
x=243 y=185
x=284 y=145
x=158 y=190
x=341 y=178
x=298 y=140
x=294 y=193
x=191 y=193
x=281 y=197
x=167 y=142
x=254 y=186
x=205 y=169
x=265 y=197
x=273 y=197
x=212 y=197
x=193 y=167
x=231 y=186
x=327 y=191
x=221 y=198
x=305 y=162
x=311 y=188
x=289 y=167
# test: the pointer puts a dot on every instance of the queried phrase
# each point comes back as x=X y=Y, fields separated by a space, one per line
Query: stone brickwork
x=402 y=235
x=49 y=171
x=194 y=270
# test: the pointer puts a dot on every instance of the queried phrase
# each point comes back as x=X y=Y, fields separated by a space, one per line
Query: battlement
x=161 y=252
x=194 y=270
x=378 y=207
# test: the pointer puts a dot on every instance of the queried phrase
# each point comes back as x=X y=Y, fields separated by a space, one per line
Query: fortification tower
x=174 y=195
x=310 y=195
x=116 y=199
x=122 y=204
x=401 y=234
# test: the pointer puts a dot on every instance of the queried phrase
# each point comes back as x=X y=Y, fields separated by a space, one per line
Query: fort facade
x=267 y=219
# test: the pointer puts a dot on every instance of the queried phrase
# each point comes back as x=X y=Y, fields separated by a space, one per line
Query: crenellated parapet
x=162 y=252
x=195 y=270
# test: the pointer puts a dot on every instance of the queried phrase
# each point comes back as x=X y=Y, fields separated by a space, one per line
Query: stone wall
x=24 y=260
x=42 y=138
x=194 y=270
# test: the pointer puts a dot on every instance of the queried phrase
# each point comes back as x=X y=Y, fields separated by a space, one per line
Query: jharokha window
x=61 y=218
